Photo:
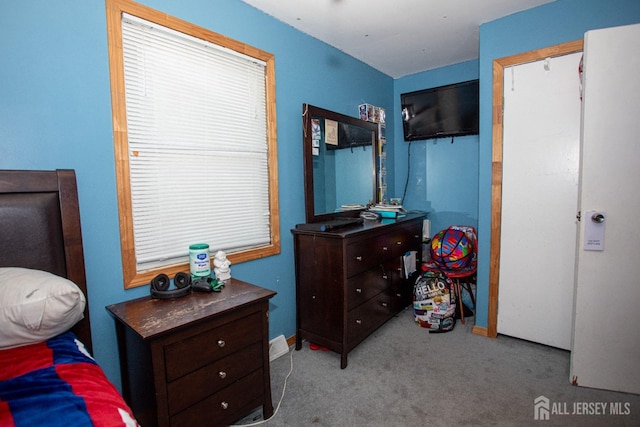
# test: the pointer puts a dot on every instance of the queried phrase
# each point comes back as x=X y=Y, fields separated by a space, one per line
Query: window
x=195 y=145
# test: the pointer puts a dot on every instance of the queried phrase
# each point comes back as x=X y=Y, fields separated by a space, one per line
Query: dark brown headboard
x=40 y=228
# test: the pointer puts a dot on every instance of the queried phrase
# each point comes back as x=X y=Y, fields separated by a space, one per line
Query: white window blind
x=198 y=153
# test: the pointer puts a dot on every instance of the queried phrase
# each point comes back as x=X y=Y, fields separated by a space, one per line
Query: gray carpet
x=404 y=376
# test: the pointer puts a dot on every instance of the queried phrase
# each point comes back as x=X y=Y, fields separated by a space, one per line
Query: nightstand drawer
x=225 y=406
x=197 y=385
x=191 y=354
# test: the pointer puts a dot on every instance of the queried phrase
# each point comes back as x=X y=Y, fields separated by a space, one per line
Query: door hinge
x=579 y=216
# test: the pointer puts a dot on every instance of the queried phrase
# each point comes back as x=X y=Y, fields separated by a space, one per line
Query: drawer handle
x=358 y=321
x=221 y=343
x=224 y=405
x=399 y=242
x=358 y=290
x=222 y=374
x=358 y=258
x=384 y=248
x=385 y=277
x=384 y=304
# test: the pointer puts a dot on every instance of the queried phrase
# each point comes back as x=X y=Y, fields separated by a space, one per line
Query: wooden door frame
x=496 y=162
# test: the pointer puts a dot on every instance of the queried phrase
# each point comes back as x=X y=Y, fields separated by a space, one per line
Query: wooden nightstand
x=198 y=360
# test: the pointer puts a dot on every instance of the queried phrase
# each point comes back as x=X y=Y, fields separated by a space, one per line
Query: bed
x=47 y=374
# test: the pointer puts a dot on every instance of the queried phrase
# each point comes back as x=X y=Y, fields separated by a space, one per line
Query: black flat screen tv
x=439 y=112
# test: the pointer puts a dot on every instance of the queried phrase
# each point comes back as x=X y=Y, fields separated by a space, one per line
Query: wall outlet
x=278 y=347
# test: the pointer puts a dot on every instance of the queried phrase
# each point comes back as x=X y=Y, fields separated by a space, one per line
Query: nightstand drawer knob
x=358 y=322
x=222 y=374
x=358 y=290
x=358 y=258
x=221 y=343
x=224 y=405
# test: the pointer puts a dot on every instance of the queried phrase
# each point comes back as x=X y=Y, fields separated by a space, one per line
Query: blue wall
x=554 y=23
x=55 y=112
x=453 y=181
x=442 y=176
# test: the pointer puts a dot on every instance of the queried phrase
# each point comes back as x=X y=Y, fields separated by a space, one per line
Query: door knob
x=597 y=217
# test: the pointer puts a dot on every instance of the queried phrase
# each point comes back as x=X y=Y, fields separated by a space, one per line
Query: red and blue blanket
x=57 y=383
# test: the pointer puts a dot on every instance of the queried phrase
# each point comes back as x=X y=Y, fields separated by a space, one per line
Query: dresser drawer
x=365 y=285
x=401 y=292
x=366 y=253
x=397 y=242
x=394 y=269
x=225 y=406
x=362 y=255
x=191 y=354
x=197 y=385
x=367 y=317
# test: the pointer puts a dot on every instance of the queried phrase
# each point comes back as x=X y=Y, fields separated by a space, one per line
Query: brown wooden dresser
x=349 y=281
x=198 y=360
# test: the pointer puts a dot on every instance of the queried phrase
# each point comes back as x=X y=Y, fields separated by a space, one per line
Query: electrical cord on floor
x=284 y=388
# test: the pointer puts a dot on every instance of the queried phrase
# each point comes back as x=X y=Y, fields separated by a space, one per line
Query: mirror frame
x=308 y=112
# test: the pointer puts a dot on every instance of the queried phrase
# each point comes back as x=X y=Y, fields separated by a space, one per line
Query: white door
x=605 y=351
x=541 y=144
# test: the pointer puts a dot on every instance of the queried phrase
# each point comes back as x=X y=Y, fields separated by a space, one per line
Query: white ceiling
x=397 y=37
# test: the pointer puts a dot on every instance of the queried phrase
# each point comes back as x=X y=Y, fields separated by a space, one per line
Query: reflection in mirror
x=340 y=164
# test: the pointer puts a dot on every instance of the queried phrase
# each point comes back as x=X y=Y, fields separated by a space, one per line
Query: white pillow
x=36 y=305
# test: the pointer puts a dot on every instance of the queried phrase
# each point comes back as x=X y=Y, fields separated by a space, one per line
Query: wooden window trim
x=115 y=9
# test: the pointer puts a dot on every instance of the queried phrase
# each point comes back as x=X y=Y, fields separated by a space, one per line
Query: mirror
x=340 y=158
